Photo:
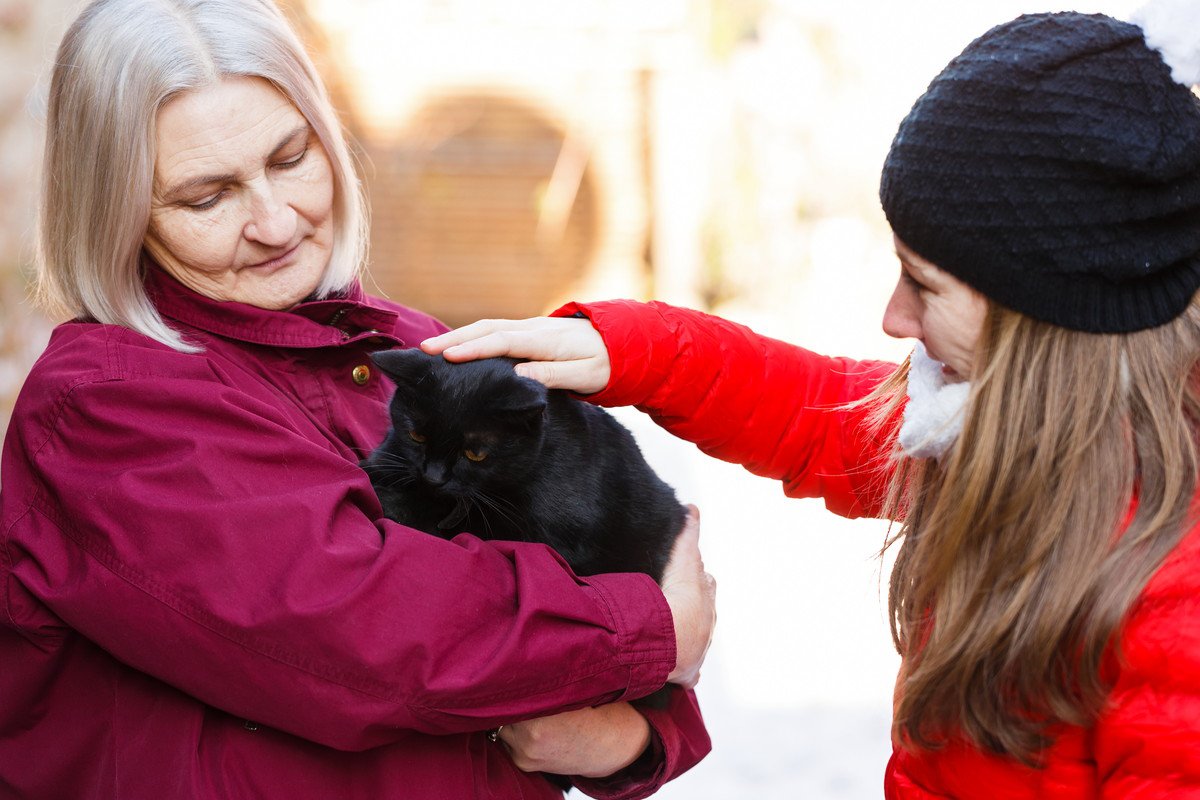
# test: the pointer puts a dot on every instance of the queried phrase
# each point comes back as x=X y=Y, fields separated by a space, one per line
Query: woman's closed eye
x=206 y=204
x=293 y=162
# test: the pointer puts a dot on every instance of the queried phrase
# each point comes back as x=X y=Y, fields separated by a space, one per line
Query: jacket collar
x=332 y=322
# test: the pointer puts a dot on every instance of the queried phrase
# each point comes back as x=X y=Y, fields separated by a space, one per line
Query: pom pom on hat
x=1172 y=27
x=1054 y=165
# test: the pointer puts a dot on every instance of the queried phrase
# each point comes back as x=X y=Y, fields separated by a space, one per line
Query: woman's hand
x=692 y=595
x=592 y=742
x=562 y=353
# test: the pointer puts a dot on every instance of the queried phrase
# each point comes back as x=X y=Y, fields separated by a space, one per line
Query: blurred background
x=721 y=154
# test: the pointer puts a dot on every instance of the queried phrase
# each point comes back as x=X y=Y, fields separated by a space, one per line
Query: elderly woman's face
x=243 y=195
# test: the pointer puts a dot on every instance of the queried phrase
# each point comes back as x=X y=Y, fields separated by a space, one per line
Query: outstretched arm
x=777 y=409
x=563 y=353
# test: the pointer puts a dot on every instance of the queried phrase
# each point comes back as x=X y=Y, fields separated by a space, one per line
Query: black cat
x=476 y=448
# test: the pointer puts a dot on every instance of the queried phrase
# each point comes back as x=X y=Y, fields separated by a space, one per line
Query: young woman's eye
x=475 y=455
x=416 y=437
x=913 y=282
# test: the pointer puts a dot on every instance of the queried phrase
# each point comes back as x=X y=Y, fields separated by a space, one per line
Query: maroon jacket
x=199 y=599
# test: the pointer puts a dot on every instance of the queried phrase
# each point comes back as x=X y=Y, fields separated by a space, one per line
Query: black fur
x=554 y=469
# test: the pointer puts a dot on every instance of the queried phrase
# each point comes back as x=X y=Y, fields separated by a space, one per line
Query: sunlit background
x=722 y=154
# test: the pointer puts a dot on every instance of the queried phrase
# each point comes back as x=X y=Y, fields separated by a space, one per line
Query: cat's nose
x=435 y=474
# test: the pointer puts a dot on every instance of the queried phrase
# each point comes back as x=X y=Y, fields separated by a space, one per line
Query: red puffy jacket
x=772 y=407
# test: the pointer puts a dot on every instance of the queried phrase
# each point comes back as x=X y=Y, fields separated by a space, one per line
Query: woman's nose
x=272 y=220
x=901 y=318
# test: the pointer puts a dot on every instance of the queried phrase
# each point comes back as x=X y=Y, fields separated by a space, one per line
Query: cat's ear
x=524 y=404
x=406 y=368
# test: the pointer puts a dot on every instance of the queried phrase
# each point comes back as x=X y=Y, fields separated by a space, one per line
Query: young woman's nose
x=902 y=318
x=272 y=220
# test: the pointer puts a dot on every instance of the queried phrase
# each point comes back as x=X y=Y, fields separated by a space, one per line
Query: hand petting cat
x=561 y=352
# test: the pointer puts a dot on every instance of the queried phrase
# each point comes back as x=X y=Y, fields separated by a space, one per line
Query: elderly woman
x=200 y=598
x=1043 y=471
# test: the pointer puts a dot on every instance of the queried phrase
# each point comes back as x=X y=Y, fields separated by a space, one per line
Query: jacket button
x=361 y=374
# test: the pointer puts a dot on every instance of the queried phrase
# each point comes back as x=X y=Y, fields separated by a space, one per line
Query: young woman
x=1038 y=451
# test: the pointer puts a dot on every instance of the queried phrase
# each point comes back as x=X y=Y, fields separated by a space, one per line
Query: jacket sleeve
x=190 y=530
x=775 y=408
x=1147 y=742
x=678 y=741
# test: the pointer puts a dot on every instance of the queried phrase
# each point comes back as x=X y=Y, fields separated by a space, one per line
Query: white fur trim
x=933 y=416
x=1172 y=27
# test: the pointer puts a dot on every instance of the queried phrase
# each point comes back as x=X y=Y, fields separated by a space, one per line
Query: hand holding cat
x=592 y=742
x=596 y=742
x=562 y=353
x=692 y=595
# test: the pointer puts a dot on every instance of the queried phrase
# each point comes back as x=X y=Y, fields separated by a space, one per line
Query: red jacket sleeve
x=194 y=533
x=773 y=407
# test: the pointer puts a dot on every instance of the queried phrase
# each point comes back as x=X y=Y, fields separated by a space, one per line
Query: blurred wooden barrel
x=482 y=207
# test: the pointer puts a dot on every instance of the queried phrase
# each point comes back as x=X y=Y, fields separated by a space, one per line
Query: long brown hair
x=1025 y=547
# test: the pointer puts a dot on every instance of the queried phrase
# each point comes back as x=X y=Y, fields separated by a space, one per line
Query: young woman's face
x=944 y=313
x=243 y=195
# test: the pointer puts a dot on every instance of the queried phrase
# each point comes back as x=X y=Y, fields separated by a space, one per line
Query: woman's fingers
x=581 y=377
x=562 y=353
x=472 y=332
x=489 y=343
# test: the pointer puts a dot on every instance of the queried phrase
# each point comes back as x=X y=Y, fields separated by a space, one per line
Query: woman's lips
x=948 y=372
x=278 y=261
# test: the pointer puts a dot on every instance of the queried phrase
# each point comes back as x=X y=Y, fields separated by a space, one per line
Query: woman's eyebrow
x=182 y=188
x=288 y=138
x=918 y=270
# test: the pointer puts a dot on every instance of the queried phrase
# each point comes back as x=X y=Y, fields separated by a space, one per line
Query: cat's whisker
x=401 y=479
x=383 y=457
x=505 y=507
x=497 y=505
x=387 y=476
x=487 y=521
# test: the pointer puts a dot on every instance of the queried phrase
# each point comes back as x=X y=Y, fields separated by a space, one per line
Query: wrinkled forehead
x=221 y=128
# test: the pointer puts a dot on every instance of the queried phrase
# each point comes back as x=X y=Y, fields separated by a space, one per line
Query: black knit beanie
x=1054 y=166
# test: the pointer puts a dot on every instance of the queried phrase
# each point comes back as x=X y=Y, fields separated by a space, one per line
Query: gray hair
x=117 y=65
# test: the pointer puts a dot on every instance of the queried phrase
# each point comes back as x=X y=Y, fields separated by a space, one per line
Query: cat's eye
x=474 y=455
x=416 y=437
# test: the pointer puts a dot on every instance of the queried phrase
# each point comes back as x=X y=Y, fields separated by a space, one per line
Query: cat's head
x=458 y=428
